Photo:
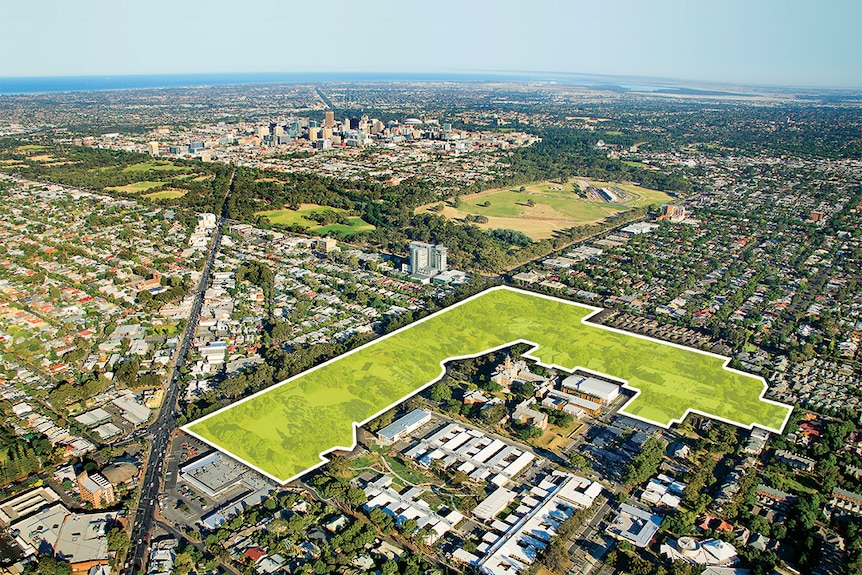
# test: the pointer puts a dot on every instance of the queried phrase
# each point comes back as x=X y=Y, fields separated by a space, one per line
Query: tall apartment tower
x=427 y=259
x=329 y=119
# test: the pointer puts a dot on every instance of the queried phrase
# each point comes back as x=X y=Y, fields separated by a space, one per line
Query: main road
x=159 y=432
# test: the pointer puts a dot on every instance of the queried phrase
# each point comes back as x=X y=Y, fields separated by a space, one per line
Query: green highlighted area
x=284 y=430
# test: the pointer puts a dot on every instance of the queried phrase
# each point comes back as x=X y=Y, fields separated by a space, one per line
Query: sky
x=759 y=42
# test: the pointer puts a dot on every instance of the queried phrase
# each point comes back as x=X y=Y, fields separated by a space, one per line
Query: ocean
x=38 y=85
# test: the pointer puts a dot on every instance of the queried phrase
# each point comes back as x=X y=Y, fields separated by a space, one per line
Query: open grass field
x=284 y=430
x=137 y=187
x=166 y=194
x=31 y=148
x=298 y=217
x=154 y=165
x=555 y=206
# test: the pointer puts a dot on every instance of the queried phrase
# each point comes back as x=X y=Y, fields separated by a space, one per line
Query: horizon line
x=515 y=75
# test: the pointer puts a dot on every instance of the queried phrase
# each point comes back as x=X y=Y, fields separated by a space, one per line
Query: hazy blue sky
x=786 y=42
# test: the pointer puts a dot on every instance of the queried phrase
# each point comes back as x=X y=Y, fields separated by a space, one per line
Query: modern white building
x=515 y=538
x=427 y=259
x=707 y=552
x=404 y=426
x=592 y=388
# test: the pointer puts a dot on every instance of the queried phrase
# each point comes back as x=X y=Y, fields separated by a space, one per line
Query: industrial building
x=634 y=525
x=591 y=388
x=513 y=542
x=472 y=452
x=404 y=426
x=39 y=523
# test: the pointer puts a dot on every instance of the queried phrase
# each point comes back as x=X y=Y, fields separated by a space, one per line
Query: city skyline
x=801 y=45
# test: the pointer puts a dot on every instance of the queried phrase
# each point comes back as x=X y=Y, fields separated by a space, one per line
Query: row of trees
x=22 y=456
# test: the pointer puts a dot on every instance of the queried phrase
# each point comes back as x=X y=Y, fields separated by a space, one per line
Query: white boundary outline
x=595 y=310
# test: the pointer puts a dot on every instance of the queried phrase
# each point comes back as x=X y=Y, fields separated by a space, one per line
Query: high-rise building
x=326 y=133
x=313 y=133
x=329 y=119
x=427 y=259
x=153 y=148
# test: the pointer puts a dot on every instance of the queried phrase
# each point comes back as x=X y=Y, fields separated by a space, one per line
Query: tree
x=440 y=391
x=645 y=464
x=493 y=414
x=118 y=540
x=383 y=520
x=48 y=565
x=459 y=478
x=338 y=464
x=468 y=504
x=579 y=462
x=409 y=526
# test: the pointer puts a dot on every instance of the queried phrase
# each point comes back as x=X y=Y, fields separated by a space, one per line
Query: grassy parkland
x=542 y=208
x=137 y=187
x=285 y=430
x=303 y=217
x=169 y=194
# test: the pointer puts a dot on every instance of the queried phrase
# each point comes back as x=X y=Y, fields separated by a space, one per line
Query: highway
x=159 y=432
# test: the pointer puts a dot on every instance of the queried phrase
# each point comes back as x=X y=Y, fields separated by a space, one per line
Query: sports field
x=545 y=207
x=166 y=194
x=137 y=187
x=298 y=217
x=283 y=431
x=155 y=165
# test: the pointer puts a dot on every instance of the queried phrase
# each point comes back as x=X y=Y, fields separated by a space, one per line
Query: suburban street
x=160 y=431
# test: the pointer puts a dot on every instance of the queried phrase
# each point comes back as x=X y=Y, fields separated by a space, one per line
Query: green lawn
x=298 y=217
x=284 y=430
x=137 y=187
x=554 y=206
x=511 y=204
x=154 y=165
x=165 y=194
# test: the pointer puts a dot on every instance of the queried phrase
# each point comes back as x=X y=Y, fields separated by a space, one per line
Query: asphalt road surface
x=159 y=432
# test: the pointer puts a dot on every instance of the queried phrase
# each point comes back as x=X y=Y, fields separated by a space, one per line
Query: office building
x=329 y=119
x=325 y=245
x=96 y=490
x=427 y=259
x=153 y=148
